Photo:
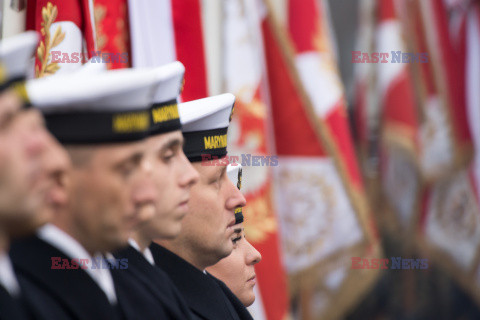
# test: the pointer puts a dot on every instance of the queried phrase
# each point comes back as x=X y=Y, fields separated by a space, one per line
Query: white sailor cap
x=110 y=106
x=234 y=172
x=164 y=111
x=92 y=67
x=205 y=125
x=16 y=58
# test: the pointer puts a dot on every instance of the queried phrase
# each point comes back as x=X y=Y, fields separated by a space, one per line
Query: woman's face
x=237 y=270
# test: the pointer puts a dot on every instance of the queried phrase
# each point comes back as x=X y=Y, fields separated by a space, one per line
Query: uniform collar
x=73 y=249
x=146 y=253
x=8 y=280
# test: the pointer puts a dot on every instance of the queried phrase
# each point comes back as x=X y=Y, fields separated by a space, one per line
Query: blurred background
x=362 y=118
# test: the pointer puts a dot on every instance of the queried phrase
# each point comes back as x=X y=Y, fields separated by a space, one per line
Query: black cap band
x=165 y=117
x=90 y=127
x=208 y=142
x=238 y=215
x=10 y=82
x=238 y=211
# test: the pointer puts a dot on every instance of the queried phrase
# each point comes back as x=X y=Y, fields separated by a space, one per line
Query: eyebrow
x=134 y=158
x=238 y=230
x=174 y=142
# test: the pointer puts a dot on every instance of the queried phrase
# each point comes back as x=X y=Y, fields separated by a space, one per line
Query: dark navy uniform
x=11 y=308
x=72 y=293
x=205 y=295
x=57 y=294
x=156 y=281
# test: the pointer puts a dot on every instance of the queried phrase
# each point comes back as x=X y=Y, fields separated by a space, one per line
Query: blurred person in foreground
x=173 y=175
x=237 y=270
x=207 y=230
x=102 y=120
x=32 y=165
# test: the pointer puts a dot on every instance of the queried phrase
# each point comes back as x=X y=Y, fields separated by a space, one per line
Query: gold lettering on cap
x=215 y=142
x=131 y=122
x=165 y=113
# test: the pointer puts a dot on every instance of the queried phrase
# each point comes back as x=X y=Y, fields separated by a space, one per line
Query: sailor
x=102 y=121
x=207 y=230
x=174 y=176
x=30 y=161
x=237 y=270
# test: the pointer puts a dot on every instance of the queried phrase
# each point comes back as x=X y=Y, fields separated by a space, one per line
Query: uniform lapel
x=202 y=294
x=156 y=282
x=73 y=289
x=10 y=307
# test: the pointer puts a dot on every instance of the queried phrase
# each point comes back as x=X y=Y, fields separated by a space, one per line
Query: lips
x=183 y=203
x=252 y=279
x=231 y=224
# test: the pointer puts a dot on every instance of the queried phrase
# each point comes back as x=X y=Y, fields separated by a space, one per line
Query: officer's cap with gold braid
x=16 y=58
x=110 y=106
x=164 y=112
x=234 y=172
x=205 y=124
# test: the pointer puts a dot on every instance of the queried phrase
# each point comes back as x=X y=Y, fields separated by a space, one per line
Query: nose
x=253 y=256
x=35 y=135
x=144 y=192
x=144 y=197
x=55 y=160
x=236 y=198
x=188 y=174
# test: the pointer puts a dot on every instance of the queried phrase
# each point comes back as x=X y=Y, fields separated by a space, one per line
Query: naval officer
x=29 y=160
x=237 y=270
x=102 y=120
x=174 y=176
x=207 y=230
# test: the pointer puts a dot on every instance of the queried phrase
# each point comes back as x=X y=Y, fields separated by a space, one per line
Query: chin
x=248 y=299
x=228 y=248
x=118 y=243
x=171 y=233
x=23 y=227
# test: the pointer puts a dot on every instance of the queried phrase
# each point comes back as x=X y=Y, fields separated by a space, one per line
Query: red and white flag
x=366 y=111
x=445 y=138
x=67 y=34
x=227 y=58
x=243 y=71
x=322 y=208
x=400 y=123
x=112 y=33
x=451 y=221
x=163 y=31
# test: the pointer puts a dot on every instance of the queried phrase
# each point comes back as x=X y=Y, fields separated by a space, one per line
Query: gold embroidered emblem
x=99 y=13
x=456 y=208
x=49 y=14
x=122 y=38
x=260 y=217
x=254 y=108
